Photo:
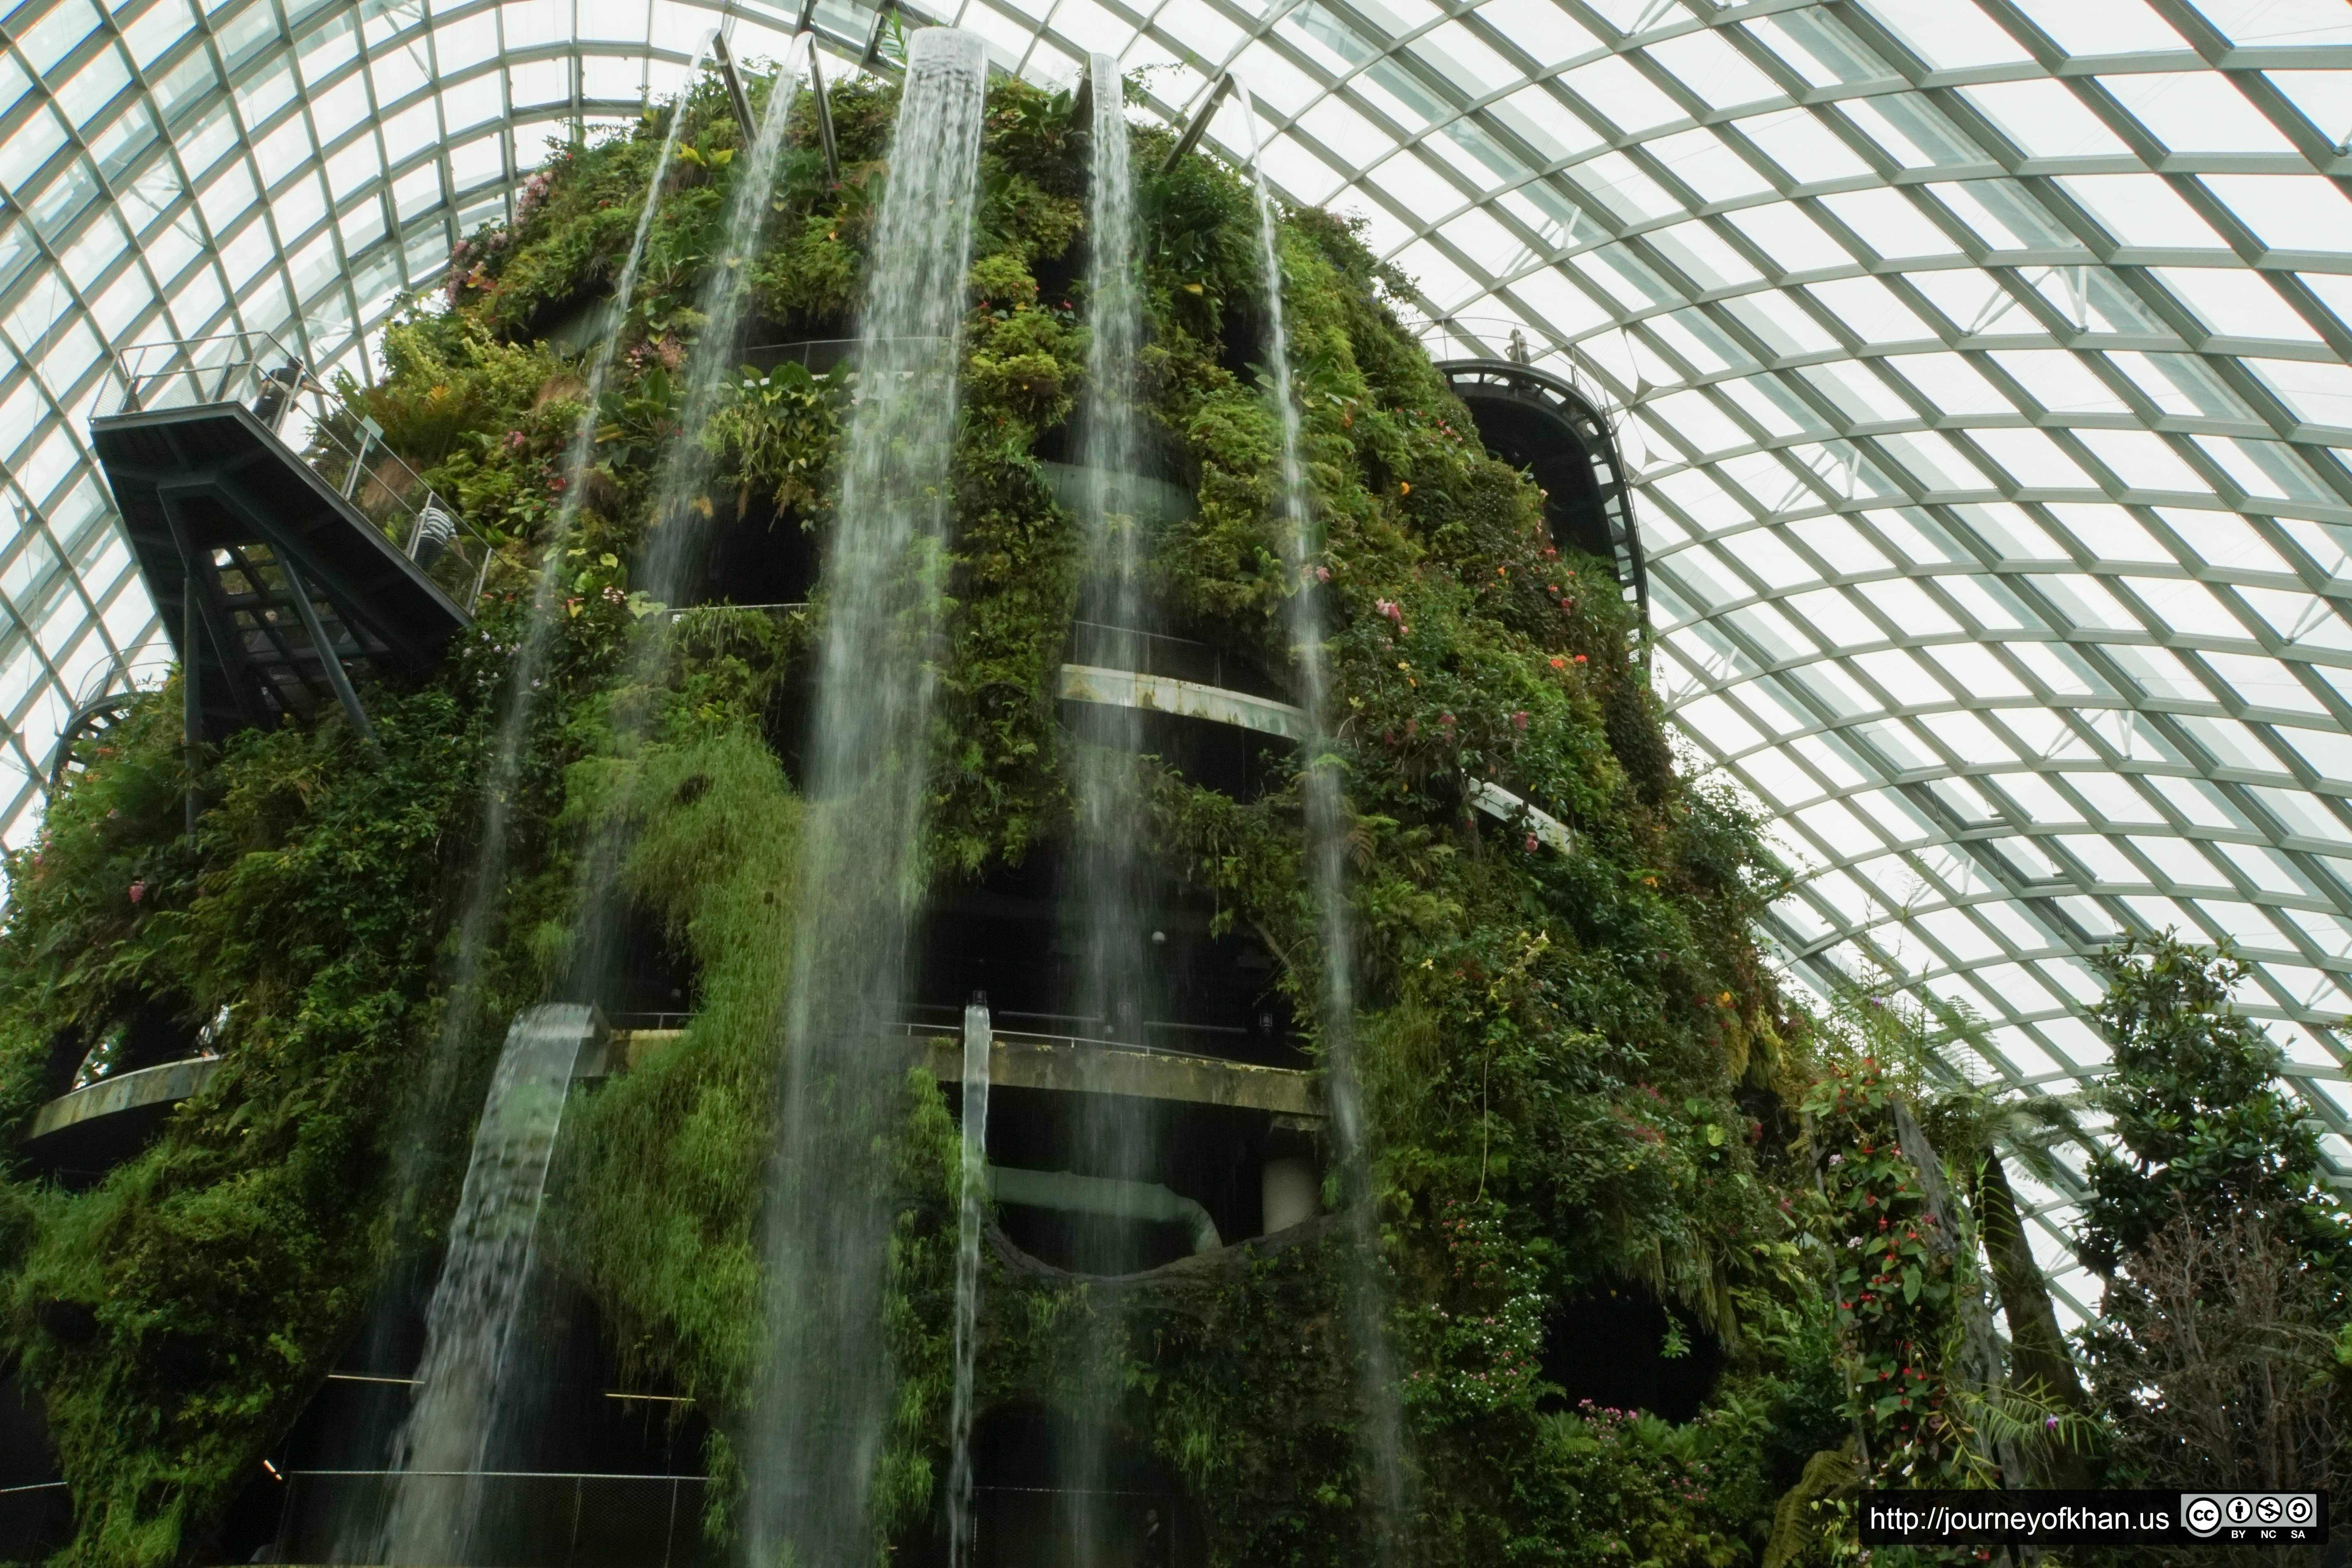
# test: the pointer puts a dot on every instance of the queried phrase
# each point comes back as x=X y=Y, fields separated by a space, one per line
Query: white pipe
x=1074 y=1194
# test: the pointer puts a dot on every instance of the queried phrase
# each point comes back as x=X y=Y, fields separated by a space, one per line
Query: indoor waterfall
x=673 y=589
x=1106 y=901
x=823 y=1397
x=682 y=510
x=971 y=1208
x=481 y=1301
x=681 y=491
x=473 y=1338
x=487 y=882
x=1326 y=851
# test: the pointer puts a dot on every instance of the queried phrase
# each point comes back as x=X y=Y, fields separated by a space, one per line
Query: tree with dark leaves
x=2214 y=1360
x=2204 y=1126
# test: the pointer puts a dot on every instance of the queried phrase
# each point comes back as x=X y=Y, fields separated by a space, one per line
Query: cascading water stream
x=1326 y=829
x=972 y=1203
x=681 y=496
x=467 y=1390
x=461 y=1009
x=471 y=1334
x=823 y=1397
x=1105 y=900
x=488 y=879
x=679 y=517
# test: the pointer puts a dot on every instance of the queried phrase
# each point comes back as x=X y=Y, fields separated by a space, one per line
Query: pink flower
x=138 y=889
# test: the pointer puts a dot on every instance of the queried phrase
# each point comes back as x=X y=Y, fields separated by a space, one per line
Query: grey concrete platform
x=1079 y=1067
x=149 y=1088
x=99 y=1125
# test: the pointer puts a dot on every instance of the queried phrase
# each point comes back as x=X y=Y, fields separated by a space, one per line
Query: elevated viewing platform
x=103 y=1123
x=1242 y=710
x=286 y=548
x=1184 y=699
x=1097 y=1067
x=1548 y=421
x=1069 y=1065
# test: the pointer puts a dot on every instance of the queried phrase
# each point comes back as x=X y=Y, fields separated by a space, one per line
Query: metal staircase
x=287 y=550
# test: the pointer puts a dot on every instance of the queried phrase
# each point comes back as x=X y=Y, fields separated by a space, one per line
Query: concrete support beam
x=166 y=1084
x=1074 y=1067
x=1186 y=699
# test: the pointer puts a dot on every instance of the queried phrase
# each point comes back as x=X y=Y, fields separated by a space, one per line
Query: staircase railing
x=343 y=446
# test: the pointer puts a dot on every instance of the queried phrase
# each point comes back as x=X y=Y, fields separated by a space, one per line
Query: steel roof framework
x=1983 y=368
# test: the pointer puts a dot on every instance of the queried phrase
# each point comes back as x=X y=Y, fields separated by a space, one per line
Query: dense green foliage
x=1581 y=1081
x=2195 y=1104
x=1554 y=1038
x=2218 y=1357
x=172 y=1316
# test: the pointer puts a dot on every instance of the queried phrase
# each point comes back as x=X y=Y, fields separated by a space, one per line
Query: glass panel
x=2141 y=209
x=2196 y=112
x=1714 y=70
x=2045 y=120
x=1950 y=34
x=1799 y=143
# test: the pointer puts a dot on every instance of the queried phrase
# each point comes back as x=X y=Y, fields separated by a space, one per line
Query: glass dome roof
x=1982 y=369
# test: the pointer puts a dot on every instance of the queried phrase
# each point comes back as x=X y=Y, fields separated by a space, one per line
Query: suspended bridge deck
x=1079 y=1066
x=1243 y=710
x=103 y=1123
x=287 y=549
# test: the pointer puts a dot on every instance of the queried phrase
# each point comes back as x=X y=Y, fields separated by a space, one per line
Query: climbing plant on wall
x=1582 y=1077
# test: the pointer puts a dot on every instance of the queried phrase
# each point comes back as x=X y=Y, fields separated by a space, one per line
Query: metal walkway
x=280 y=572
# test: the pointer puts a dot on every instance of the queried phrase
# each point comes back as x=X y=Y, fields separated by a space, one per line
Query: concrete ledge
x=1075 y=1066
x=1189 y=699
x=1185 y=698
x=1085 y=1067
x=149 y=1087
x=1508 y=808
x=625 y=1049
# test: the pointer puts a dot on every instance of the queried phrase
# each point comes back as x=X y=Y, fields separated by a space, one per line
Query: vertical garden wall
x=1599 y=1137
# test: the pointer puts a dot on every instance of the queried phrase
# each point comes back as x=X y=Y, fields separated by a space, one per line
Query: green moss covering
x=1552 y=1043
x=174 y=1317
